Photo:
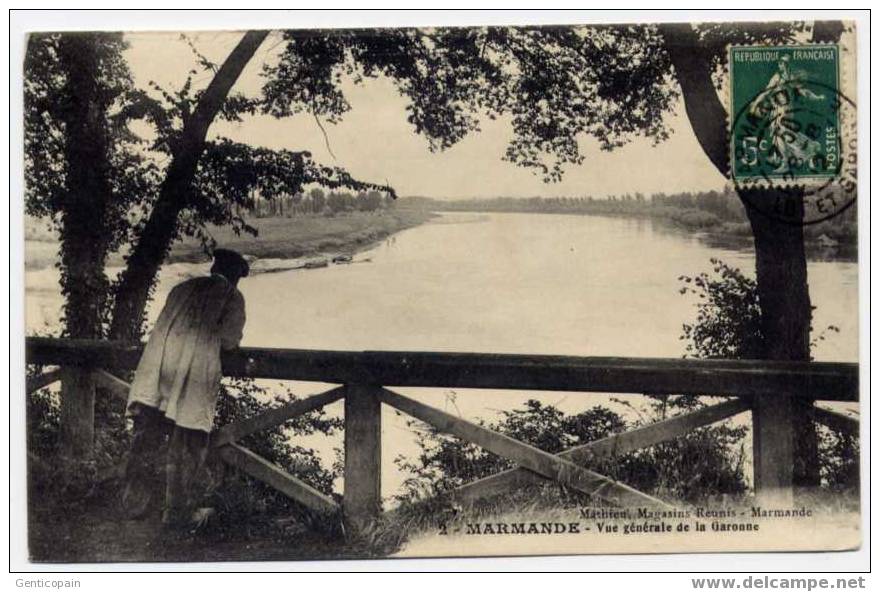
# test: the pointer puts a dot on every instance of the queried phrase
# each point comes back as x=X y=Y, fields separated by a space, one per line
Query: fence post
x=77 y=413
x=773 y=449
x=362 y=495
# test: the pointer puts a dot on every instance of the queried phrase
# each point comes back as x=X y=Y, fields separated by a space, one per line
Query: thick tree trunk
x=782 y=278
x=780 y=259
x=84 y=241
x=786 y=313
x=161 y=228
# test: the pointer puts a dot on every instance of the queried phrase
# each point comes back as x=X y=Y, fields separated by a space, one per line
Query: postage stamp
x=789 y=129
x=786 y=105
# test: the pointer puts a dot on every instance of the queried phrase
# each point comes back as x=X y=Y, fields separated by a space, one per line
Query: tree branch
x=160 y=229
x=693 y=70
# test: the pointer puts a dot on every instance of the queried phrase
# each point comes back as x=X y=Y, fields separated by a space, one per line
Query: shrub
x=445 y=462
x=689 y=218
x=690 y=467
x=728 y=325
x=695 y=219
x=240 y=497
x=705 y=462
x=54 y=481
x=43 y=417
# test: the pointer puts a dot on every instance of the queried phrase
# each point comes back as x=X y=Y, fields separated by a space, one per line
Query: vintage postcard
x=474 y=291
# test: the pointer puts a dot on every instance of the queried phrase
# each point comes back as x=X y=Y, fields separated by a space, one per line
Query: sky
x=375 y=143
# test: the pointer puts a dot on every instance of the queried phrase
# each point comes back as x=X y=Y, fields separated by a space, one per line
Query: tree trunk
x=780 y=260
x=693 y=69
x=84 y=239
x=161 y=228
x=786 y=312
x=84 y=242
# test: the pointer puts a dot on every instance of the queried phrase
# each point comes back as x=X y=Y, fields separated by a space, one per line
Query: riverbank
x=833 y=240
x=277 y=238
x=306 y=236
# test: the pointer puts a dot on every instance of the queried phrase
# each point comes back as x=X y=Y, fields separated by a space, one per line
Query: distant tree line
x=317 y=201
x=720 y=211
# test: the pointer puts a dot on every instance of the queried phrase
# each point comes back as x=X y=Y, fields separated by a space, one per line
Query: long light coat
x=179 y=372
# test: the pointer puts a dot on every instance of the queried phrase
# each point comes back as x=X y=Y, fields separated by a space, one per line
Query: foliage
x=608 y=82
x=728 y=323
x=690 y=467
x=49 y=103
x=241 y=399
x=317 y=202
x=445 y=462
x=240 y=498
x=839 y=467
x=54 y=481
x=53 y=478
x=705 y=462
x=43 y=416
x=231 y=174
x=552 y=83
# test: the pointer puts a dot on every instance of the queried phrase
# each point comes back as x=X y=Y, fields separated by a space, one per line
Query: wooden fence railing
x=770 y=390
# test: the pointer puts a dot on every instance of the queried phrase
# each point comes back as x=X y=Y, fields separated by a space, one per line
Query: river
x=516 y=283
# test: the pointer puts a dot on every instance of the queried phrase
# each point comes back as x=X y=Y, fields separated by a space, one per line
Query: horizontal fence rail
x=770 y=391
x=827 y=381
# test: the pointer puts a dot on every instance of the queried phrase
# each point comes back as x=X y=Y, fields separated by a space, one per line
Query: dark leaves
x=554 y=84
x=728 y=323
x=232 y=175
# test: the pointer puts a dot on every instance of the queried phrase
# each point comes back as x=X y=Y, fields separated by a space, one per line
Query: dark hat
x=227 y=260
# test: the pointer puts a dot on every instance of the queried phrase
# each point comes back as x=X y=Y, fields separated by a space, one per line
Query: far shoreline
x=733 y=236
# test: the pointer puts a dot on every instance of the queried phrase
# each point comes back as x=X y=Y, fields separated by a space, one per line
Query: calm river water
x=518 y=283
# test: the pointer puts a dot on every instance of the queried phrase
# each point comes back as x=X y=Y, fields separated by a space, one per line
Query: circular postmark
x=793 y=152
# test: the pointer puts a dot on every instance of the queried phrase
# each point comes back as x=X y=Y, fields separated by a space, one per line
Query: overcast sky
x=374 y=142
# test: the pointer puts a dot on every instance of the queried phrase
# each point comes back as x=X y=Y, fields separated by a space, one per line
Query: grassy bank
x=287 y=238
x=278 y=237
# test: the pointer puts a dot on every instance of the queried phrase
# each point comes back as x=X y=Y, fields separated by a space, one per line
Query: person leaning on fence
x=174 y=392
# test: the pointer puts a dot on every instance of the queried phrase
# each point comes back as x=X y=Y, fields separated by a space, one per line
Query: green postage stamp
x=785 y=112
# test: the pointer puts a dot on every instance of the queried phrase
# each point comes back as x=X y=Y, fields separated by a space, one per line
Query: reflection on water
x=845 y=253
x=518 y=283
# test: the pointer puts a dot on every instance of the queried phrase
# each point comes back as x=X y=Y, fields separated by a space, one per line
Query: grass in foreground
x=93 y=532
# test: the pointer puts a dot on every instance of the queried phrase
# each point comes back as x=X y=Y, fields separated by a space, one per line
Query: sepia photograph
x=441 y=291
